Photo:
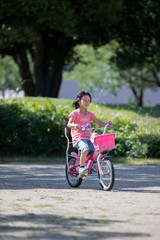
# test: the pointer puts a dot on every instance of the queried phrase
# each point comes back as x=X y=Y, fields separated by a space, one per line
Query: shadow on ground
x=128 y=178
x=51 y=226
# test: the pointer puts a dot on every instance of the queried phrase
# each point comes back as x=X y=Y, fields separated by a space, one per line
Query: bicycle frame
x=90 y=159
x=105 y=169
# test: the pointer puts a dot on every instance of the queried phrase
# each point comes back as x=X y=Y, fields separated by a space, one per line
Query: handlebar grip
x=107 y=126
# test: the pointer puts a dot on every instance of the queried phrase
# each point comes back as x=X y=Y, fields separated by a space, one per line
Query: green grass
x=136 y=161
x=148 y=117
x=32 y=160
x=61 y=160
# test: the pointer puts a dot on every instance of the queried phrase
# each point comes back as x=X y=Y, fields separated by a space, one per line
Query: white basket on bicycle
x=104 y=142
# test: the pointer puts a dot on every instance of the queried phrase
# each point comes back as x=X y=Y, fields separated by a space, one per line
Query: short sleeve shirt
x=82 y=120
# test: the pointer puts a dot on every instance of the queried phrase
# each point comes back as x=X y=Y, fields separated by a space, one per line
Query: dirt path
x=37 y=203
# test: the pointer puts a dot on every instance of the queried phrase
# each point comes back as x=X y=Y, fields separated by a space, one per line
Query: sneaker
x=83 y=172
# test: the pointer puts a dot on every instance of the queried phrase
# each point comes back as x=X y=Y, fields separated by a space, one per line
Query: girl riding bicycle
x=77 y=119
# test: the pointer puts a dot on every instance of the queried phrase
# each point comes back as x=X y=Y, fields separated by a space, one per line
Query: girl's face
x=84 y=102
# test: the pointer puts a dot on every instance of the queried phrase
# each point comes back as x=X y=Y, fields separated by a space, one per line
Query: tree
x=96 y=70
x=139 y=38
x=135 y=78
x=47 y=31
x=137 y=56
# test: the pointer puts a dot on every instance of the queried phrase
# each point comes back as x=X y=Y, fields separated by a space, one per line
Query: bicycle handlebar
x=105 y=128
x=88 y=126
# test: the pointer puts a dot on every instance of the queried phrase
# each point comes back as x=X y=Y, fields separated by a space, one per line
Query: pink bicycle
x=104 y=166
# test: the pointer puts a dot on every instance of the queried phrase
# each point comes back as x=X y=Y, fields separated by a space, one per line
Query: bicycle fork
x=99 y=165
x=99 y=160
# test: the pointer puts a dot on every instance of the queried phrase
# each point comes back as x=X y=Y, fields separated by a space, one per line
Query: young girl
x=77 y=119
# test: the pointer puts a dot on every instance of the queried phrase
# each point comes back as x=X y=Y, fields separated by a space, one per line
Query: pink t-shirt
x=81 y=120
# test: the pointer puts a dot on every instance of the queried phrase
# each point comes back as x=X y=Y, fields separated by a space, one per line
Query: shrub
x=134 y=141
x=38 y=128
x=31 y=128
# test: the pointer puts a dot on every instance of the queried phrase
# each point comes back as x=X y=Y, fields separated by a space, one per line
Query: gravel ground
x=37 y=203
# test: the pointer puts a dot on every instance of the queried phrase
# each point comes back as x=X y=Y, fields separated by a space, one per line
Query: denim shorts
x=84 y=145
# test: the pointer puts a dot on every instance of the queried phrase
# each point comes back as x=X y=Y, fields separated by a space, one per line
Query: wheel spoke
x=106 y=174
x=72 y=179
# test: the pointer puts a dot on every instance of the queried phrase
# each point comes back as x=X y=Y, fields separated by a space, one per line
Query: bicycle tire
x=107 y=176
x=73 y=180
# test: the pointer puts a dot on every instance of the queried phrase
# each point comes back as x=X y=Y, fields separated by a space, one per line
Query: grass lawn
x=148 y=117
x=61 y=160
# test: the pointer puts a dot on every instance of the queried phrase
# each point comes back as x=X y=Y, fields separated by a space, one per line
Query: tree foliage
x=9 y=74
x=136 y=57
x=95 y=70
x=47 y=31
x=139 y=38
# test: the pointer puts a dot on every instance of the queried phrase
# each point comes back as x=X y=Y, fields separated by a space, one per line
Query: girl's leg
x=82 y=170
x=83 y=158
x=83 y=146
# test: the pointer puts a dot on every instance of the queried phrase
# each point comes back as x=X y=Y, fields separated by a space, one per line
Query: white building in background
x=70 y=88
x=11 y=94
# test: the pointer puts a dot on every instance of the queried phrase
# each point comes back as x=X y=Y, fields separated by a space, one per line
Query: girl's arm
x=102 y=124
x=73 y=125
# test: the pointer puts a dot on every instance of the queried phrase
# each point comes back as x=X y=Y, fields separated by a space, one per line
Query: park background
x=52 y=49
x=101 y=46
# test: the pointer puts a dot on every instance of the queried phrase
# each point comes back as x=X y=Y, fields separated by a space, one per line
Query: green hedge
x=38 y=128
x=32 y=128
x=134 y=140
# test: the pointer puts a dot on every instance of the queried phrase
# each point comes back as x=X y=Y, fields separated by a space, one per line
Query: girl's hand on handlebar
x=77 y=126
x=110 y=124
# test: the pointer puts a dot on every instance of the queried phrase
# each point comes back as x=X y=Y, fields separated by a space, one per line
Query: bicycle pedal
x=82 y=176
x=93 y=169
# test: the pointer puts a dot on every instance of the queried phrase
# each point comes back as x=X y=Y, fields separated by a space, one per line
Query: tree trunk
x=40 y=67
x=49 y=86
x=48 y=66
x=55 y=81
x=27 y=81
x=140 y=99
x=156 y=76
x=138 y=96
x=48 y=73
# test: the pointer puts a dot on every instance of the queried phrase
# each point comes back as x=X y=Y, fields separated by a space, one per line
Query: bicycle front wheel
x=72 y=179
x=106 y=174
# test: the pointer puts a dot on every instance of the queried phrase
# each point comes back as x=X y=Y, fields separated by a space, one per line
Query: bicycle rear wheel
x=72 y=179
x=106 y=174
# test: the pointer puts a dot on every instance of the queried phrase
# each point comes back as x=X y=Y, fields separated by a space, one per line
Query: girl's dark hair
x=79 y=97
